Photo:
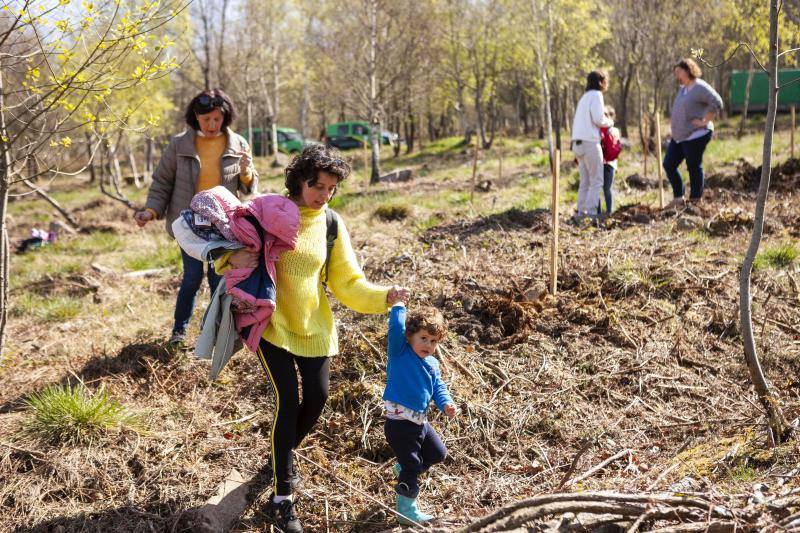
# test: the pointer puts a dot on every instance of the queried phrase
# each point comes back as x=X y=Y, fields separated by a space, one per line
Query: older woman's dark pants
x=190 y=284
x=692 y=151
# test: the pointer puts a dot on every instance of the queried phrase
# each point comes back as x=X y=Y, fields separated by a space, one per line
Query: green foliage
x=85 y=70
x=63 y=414
x=779 y=256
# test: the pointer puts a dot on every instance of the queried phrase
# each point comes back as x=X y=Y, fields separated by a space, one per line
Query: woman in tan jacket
x=207 y=154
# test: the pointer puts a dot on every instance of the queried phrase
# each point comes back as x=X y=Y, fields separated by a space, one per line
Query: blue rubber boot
x=396 y=470
x=410 y=513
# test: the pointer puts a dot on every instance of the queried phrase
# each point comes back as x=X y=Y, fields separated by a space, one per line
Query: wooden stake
x=554 y=209
x=474 y=171
x=658 y=162
x=791 y=136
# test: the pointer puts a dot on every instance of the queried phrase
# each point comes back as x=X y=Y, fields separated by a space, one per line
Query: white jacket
x=590 y=117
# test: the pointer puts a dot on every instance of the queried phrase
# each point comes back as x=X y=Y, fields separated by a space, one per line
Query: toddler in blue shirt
x=412 y=380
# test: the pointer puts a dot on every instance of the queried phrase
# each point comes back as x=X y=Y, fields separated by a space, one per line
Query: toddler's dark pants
x=417 y=448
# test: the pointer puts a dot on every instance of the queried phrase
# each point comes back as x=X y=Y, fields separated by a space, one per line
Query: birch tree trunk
x=374 y=122
x=542 y=51
x=778 y=425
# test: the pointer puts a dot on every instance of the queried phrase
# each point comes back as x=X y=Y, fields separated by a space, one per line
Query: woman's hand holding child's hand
x=243 y=259
x=450 y=410
x=397 y=294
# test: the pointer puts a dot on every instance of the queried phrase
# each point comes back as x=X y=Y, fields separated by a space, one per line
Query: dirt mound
x=633 y=214
x=503 y=318
x=69 y=285
x=785 y=177
x=728 y=221
x=513 y=219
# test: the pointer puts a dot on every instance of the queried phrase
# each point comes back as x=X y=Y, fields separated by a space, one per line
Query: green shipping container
x=759 y=88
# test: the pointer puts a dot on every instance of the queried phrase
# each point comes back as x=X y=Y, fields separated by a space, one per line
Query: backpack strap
x=332 y=231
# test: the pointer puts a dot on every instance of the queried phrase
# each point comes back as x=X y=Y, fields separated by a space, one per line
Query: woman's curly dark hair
x=208 y=101
x=307 y=165
x=429 y=319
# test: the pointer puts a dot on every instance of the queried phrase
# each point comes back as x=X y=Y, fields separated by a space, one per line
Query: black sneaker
x=283 y=515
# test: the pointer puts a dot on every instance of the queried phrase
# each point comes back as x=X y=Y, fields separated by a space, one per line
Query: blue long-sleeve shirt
x=411 y=381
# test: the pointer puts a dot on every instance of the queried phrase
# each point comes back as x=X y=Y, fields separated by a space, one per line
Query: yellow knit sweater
x=302 y=322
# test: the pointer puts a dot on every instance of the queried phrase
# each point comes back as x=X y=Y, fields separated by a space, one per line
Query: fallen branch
x=668 y=506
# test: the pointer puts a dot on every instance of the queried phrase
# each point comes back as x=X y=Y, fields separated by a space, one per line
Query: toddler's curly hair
x=428 y=318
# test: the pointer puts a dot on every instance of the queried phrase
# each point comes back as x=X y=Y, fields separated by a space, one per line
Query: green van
x=290 y=140
x=353 y=134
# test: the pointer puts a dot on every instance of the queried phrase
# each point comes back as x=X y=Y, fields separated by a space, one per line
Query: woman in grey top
x=695 y=105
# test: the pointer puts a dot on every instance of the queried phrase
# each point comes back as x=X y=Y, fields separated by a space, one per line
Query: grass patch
x=779 y=256
x=62 y=414
x=433 y=220
x=165 y=255
x=628 y=277
x=391 y=212
x=97 y=243
x=47 y=309
x=744 y=474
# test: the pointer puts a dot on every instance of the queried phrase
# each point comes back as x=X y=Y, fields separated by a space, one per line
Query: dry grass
x=637 y=356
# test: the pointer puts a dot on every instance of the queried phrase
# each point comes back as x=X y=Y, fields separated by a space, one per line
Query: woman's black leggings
x=293 y=420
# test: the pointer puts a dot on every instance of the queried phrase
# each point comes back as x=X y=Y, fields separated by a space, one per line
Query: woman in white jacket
x=589 y=118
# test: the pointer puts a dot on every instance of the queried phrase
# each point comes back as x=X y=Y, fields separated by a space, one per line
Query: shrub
x=63 y=414
x=781 y=256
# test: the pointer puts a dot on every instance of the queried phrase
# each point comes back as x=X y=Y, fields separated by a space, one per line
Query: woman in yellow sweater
x=207 y=154
x=301 y=335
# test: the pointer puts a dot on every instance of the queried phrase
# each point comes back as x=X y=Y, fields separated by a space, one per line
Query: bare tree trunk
x=778 y=425
x=148 y=164
x=5 y=180
x=750 y=73
x=134 y=168
x=460 y=107
x=275 y=104
x=305 y=103
x=410 y=132
x=542 y=52
x=206 y=65
x=250 y=125
x=221 y=49
x=90 y=154
x=374 y=122
x=623 y=100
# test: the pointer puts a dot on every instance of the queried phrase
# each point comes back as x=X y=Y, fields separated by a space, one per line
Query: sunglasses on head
x=209 y=102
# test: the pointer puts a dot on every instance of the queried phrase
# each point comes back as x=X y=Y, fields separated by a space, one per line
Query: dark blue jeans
x=692 y=151
x=192 y=278
x=608 y=181
x=417 y=448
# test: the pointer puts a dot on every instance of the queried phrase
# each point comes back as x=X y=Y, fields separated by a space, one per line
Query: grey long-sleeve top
x=692 y=104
